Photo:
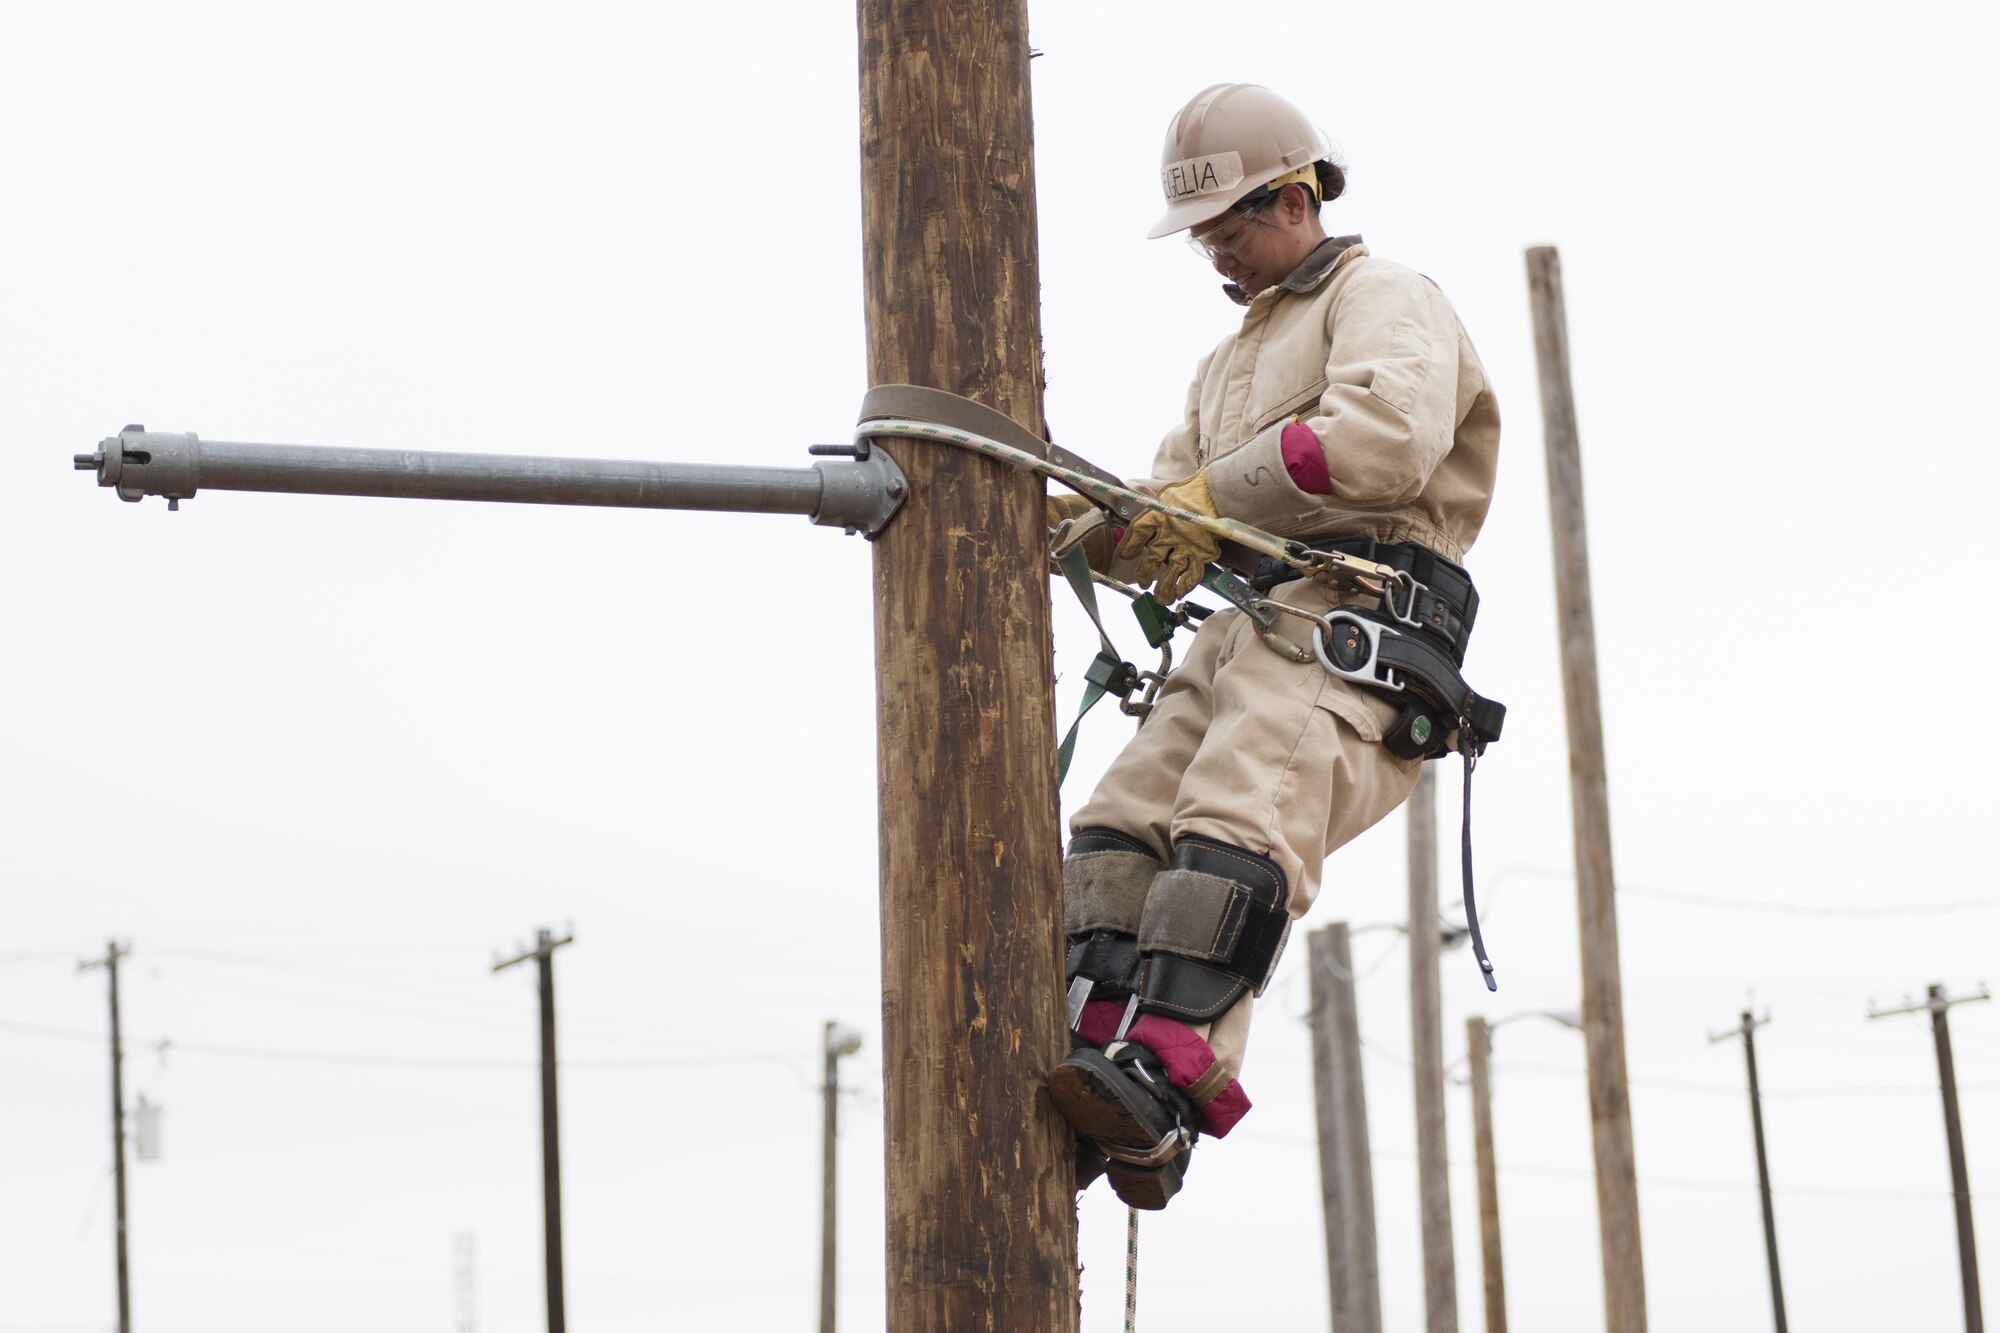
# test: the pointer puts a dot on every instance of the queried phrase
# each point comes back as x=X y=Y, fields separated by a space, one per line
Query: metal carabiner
x=1371 y=634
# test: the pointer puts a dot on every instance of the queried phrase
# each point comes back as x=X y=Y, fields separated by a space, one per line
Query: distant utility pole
x=1744 y=1029
x=544 y=955
x=1427 y=1060
x=1479 y=1057
x=1346 y=1178
x=465 y=1285
x=112 y=953
x=1590 y=817
x=838 y=1041
x=1961 y=1187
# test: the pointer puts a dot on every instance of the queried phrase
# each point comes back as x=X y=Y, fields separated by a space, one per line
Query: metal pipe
x=858 y=495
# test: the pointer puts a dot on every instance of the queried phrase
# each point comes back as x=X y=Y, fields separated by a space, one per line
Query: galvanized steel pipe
x=858 y=495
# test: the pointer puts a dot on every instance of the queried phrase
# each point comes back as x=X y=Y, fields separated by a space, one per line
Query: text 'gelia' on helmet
x=1228 y=141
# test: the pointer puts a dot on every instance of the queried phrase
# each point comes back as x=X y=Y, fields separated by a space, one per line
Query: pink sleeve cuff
x=1305 y=460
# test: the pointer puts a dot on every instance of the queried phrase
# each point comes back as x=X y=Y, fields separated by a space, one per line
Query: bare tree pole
x=1346 y=1176
x=1746 y=1029
x=112 y=953
x=981 y=1211
x=1938 y=1003
x=1479 y=1055
x=1427 y=1060
x=1590 y=817
x=552 y=1252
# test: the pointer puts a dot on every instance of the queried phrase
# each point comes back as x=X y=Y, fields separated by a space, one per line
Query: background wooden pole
x=1346 y=1177
x=1479 y=1053
x=1590 y=816
x=1427 y=1060
x=981 y=1215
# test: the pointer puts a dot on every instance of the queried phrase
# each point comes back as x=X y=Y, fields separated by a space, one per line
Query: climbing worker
x=1348 y=413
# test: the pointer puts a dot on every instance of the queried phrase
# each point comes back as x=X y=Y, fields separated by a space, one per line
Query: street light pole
x=838 y=1041
x=1479 y=1051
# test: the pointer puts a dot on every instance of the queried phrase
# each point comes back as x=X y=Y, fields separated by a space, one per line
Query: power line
x=1665 y=1182
x=1763 y=904
x=405 y=1062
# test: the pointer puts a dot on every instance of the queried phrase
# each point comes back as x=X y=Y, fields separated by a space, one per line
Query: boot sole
x=1100 y=1103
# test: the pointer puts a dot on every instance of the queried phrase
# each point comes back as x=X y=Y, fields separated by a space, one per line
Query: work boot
x=1121 y=1101
x=1090 y=1163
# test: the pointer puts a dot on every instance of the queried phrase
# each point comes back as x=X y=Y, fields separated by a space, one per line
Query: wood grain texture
x=1590 y=815
x=981 y=1215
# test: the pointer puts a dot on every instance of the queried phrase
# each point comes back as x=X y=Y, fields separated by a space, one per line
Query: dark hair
x=1332 y=181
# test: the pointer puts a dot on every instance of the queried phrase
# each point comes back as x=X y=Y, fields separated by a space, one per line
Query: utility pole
x=1590 y=817
x=1346 y=1178
x=838 y=1041
x=981 y=1211
x=465 y=1285
x=1427 y=1060
x=1937 y=1004
x=1744 y=1029
x=112 y=953
x=544 y=955
x=1479 y=1059
x=1479 y=1055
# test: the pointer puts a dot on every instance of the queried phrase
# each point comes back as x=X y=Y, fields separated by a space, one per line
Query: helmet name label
x=1194 y=176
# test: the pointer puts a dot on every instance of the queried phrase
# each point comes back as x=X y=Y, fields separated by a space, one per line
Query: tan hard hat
x=1230 y=139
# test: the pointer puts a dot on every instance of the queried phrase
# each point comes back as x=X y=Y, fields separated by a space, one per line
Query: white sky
x=318 y=759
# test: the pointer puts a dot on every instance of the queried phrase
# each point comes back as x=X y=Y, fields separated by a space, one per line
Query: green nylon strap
x=1107 y=671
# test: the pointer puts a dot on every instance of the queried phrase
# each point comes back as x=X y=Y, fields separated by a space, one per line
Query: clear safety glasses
x=1229 y=235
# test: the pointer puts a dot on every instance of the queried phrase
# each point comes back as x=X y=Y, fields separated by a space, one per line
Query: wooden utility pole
x=112 y=953
x=1590 y=817
x=1479 y=1056
x=1427 y=1060
x=1937 y=1004
x=552 y=1250
x=1747 y=1029
x=981 y=1210
x=1346 y=1177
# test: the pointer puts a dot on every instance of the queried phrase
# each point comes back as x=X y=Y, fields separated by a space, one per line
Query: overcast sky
x=318 y=759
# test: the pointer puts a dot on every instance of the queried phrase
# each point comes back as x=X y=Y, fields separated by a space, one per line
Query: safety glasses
x=1229 y=235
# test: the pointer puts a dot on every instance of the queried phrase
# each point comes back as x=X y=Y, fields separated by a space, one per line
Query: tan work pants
x=1250 y=748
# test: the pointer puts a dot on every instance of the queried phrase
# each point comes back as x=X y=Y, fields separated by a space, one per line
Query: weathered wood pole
x=1590 y=816
x=1346 y=1175
x=981 y=1214
x=1427 y=1060
x=1479 y=1054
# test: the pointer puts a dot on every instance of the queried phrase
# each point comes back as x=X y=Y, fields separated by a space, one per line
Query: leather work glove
x=1170 y=552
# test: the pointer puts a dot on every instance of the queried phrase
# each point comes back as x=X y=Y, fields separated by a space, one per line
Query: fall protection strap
x=1108 y=671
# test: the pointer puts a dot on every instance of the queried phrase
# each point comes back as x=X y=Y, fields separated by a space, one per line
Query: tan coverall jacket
x=1244 y=745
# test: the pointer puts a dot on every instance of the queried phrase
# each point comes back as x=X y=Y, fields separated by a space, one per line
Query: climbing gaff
x=859 y=492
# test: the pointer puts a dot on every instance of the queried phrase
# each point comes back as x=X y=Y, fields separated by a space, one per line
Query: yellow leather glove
x=1170 y=552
